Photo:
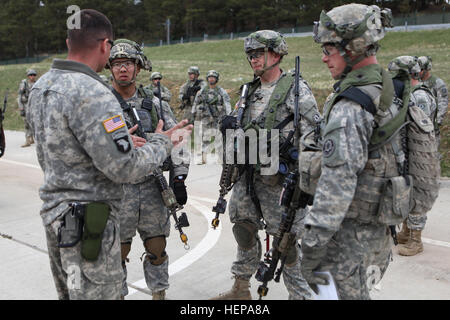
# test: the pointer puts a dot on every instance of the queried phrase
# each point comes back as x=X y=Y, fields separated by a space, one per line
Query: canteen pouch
x=71 y=229
x=396 y=200
x=95 y=218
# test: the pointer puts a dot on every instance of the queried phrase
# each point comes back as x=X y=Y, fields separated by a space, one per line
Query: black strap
x=399 y=86
x=357 y=95
x=123 y=104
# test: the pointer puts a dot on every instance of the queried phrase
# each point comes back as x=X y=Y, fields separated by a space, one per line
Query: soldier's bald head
x=94 y=27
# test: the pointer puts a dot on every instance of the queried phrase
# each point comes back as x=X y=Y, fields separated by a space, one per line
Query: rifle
x=230 y=172
x=292 y=198
x=2 y=133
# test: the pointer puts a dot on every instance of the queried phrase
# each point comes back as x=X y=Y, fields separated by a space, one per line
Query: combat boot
x=239 y=291
x=404 y=235
x=159 y=295
x=27 y=143
x=413 y=246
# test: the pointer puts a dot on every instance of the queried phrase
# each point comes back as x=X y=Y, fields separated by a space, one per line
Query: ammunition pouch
x=95 y=218
x=396 y=200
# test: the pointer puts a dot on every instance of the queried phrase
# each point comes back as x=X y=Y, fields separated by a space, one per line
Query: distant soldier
x=22 y=99
x=439 y=89
x=155 y=78
x=189 y=90
x=210 y=105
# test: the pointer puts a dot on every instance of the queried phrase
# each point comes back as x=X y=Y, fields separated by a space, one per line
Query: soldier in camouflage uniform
x=270 y=101
x=142 y=207
x=86 y=153
x=410 y=235
x=439 y=89
x=155 y=78
x=188 y=91
x=211 y=104
x=22 y=99
x=343 y=234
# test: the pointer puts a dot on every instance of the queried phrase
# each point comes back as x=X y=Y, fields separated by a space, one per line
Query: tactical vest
x=211 y=104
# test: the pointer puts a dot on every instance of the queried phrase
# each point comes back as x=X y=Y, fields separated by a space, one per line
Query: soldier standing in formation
x=439 y=89
x=142 y=207
x=86 y=153
x=270 y=101
x=188 y=92
x=342 y=230
x=24 y=92
x=211 y=104
x=155 y=79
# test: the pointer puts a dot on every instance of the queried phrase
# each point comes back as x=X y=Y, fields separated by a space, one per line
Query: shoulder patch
x=113 y=123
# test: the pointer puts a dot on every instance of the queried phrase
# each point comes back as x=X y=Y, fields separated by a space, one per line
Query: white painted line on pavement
x=207 y=243
x=21 y=164
x=436 y=242
x=202 y=199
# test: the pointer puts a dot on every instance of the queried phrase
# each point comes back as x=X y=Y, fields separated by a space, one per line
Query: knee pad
x=245 y=234
x=125 y=248
x=155 y=249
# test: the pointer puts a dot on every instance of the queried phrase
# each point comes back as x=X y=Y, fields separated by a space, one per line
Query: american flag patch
x=114 y=123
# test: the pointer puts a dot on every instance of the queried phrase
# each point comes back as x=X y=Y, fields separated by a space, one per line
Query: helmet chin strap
x=259 y=73
x=349 y=62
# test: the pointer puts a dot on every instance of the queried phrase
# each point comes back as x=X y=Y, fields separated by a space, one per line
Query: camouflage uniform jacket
x=83 y=145
x=349 y=174
x=188 y=84
x=165 y=92
x=440 y=91
x=211 y=103
x=169 y=122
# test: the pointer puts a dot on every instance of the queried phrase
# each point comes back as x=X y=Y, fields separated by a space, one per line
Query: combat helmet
x=405 y=65
x=31 y=72
x=425 y=63
x=353 y=27
x=194 y=69
x=213 y=73
x=266 y=39
x=156 y=75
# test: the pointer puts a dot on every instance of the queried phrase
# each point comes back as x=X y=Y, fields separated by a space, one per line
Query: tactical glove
x=228 y=122
x=179 y=189
x=312 y=256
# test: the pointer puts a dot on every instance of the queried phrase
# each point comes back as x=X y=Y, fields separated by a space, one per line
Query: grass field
x=228 y=58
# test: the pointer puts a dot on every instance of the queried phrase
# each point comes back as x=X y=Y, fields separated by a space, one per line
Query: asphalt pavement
x=202 y=271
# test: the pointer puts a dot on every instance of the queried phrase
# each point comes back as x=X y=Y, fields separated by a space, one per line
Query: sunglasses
x=254 y=55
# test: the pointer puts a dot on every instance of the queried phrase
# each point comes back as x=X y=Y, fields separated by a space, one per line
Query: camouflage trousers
x=241 y=208
x=208 y=132
x=417 y=220
x=28 y=132
x=357 y=257
x=78 y=279
x=142 y=209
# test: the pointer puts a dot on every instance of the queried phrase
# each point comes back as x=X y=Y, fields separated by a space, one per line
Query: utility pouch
x=395 y=201
x=70 y=231
x=95 y=219
x=310 y=170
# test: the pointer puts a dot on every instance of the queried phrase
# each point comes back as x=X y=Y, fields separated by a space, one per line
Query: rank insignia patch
x=113 y=123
